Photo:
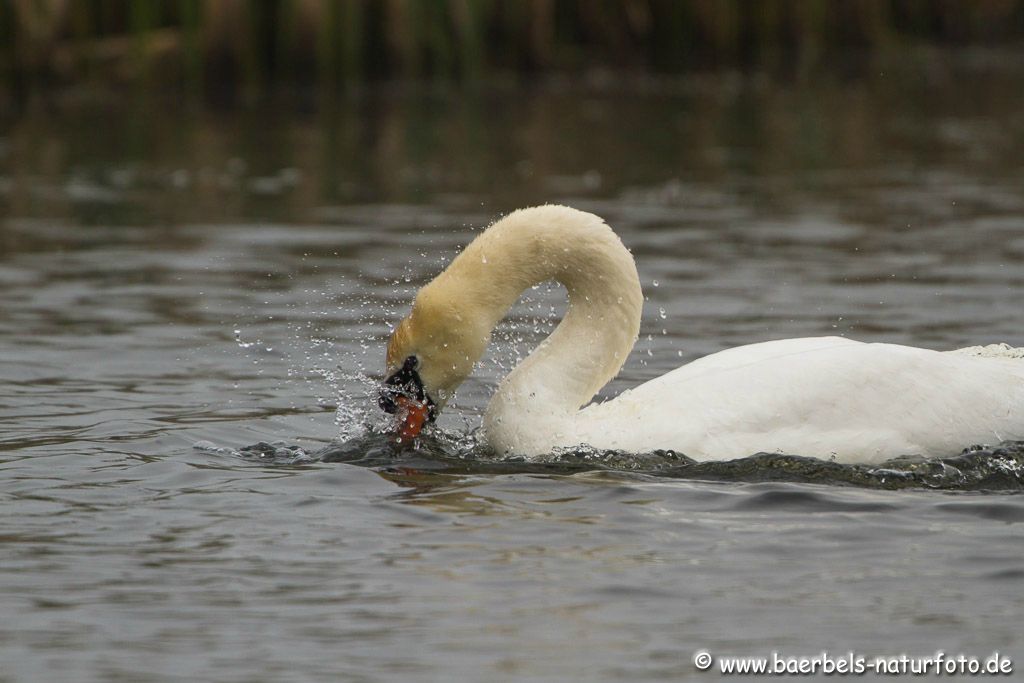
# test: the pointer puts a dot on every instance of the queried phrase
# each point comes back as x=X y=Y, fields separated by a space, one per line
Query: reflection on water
x=148 y=162
x=172 y=278
x=977 y=468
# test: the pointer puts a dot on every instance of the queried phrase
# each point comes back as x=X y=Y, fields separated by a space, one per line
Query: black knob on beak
x=404 y=382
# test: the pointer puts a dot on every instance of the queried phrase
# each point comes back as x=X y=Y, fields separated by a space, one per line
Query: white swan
x=826 y=396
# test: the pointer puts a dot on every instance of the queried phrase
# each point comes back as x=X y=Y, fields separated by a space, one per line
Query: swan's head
x=429 y=355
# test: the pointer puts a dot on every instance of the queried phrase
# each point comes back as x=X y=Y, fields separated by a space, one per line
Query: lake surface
x=193 y=307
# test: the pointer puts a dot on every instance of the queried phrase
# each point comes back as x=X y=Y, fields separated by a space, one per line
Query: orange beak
x=412 y=414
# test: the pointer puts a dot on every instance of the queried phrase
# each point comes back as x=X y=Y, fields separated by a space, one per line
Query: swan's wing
x=823 y=397
x=1003 y=351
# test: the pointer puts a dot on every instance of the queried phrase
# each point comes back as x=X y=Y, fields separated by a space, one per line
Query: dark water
x=174 y=278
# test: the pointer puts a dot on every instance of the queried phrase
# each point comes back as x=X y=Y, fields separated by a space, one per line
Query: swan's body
x=827 y=397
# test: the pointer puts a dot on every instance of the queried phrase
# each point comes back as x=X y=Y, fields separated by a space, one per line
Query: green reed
x=334 y=44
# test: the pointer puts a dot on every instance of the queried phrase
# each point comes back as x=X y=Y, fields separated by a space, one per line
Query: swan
x=827 y=397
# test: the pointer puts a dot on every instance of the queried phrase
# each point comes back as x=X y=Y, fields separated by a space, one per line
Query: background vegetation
x=234 y=45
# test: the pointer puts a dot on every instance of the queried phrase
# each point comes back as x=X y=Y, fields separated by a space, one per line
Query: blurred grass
x=230 y=45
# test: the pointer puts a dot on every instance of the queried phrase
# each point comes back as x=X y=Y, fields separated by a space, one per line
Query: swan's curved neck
x=601 y=324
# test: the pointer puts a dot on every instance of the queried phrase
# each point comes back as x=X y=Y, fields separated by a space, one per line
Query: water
x=193 y=312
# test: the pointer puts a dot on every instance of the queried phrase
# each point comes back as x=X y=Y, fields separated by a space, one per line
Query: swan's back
x=825 y=397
